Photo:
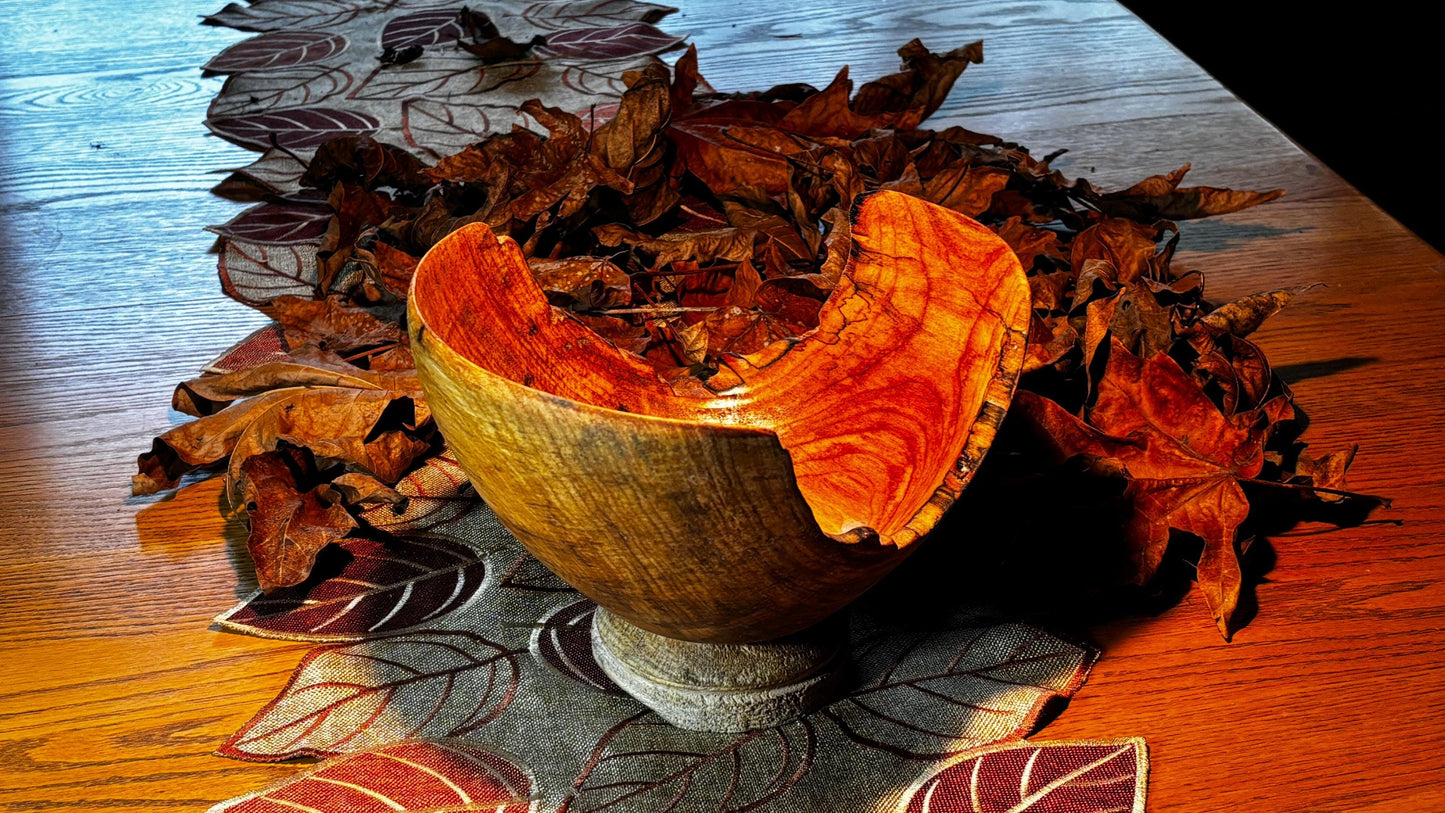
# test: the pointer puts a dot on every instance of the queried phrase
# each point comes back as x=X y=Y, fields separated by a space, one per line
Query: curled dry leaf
x=289 y=525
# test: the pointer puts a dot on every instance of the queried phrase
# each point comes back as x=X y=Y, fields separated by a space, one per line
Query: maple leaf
x=1184 y=460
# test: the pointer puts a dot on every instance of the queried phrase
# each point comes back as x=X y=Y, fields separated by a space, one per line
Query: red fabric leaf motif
x=430 y=776
x=1064 y=777
x=301 y=129
x=607 y=43
x=281 y=49
x=935 y=695
x=644 y=763
x=256 y=274
x=295 y=221
x=424 y=28
x=554 y=15
x=440 y=128
x=374 y=589
x=563 y=640
x=437 y=492
x=263 y=345
x=305 y=86
x=276 y=15
x=414 y=686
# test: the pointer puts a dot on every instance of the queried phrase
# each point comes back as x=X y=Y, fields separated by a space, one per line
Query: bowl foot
x=722 y=687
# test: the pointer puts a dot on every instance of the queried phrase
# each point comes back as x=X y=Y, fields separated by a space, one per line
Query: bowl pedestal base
x=723 y=687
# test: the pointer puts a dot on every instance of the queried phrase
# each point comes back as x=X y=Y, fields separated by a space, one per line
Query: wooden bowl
x=767 y=500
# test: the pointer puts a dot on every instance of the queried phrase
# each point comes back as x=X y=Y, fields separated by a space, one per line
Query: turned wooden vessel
x=765 y=500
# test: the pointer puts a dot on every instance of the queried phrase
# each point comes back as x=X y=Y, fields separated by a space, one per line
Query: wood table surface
x=114 y=690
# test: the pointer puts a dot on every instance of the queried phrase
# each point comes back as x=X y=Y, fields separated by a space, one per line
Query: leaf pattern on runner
x=308 y=85
x=929 y=695
x=409 y=776
x=357 y=696
x=256 y=274
x=287 y=15
x=423 y=28
x=365 y=588
x=437 y=492
x=291 y=220
x=303 y=128
x=1059 y=777
x=563 y=641
x=277 y=50
x=644 y=763
x=608 y=43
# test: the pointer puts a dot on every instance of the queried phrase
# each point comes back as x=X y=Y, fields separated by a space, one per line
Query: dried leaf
x=1160 y=197
x=1184 y=460
x=290 y=523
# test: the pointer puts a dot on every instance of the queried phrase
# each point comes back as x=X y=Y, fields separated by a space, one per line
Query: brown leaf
x=334 y=424
x=210 y=394
x=1128 y=246
x=288 y=526
x=582 y=283
x=332 y=324
x=1183 y=458
x=967 y=189
x=1160 y=196
x=1244 y=316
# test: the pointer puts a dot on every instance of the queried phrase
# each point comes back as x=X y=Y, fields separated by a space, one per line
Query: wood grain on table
x=114 y=691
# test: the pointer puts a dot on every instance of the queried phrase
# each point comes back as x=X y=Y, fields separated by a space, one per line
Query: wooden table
x=113 y=691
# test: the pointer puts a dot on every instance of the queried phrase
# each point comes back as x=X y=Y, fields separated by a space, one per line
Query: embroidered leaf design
x=440 y=128
x=352 y=697
x=257 y=274
x=275 y=15
x=563 y=640
x=554 y=15
x=280 y=49
x=305 y=86
x=932 y=695
x=531 y=575
x=294 y=220
x=440 y=76
x=424 y=28
x=276 y=171
x=604 y=80
x=406 y=776
x=1063 y=777
x=607 y=43
x=301 y=129
x=644 y=763
x=265 y=344
x=366 y=588
x=437 y=492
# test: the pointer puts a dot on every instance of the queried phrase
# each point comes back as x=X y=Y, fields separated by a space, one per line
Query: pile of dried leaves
x=692 y=225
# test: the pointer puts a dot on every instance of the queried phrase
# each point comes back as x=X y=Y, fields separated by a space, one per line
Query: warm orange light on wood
x=767 y=498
